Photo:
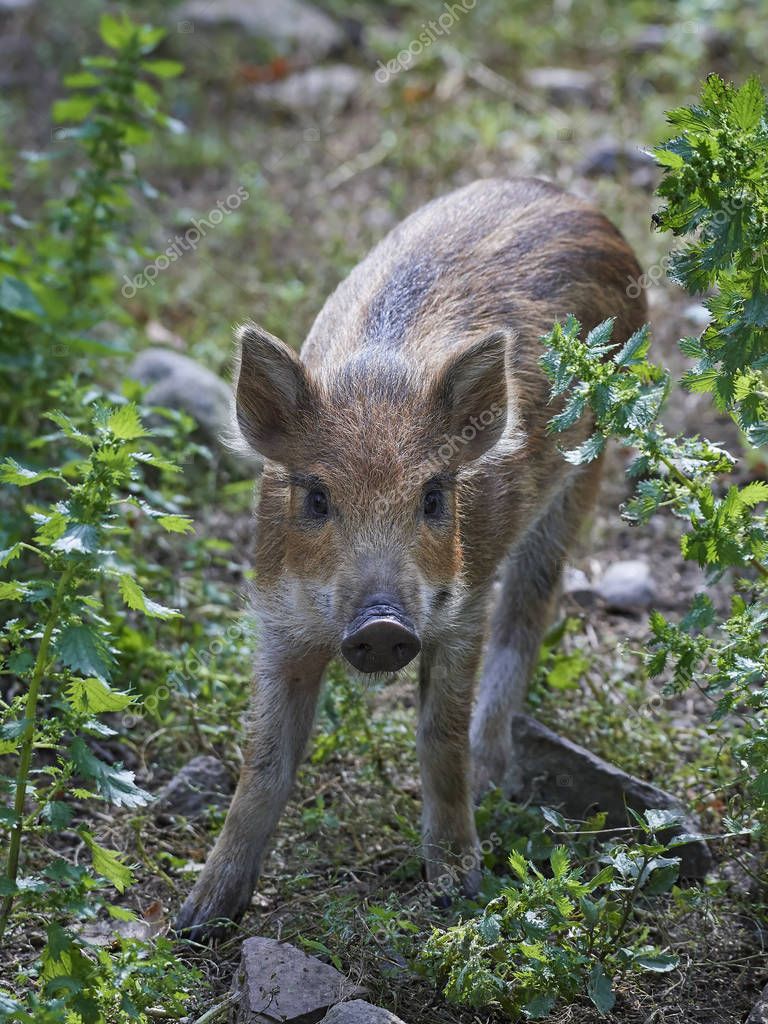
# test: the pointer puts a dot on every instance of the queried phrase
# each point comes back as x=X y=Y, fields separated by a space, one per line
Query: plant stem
x=30 y=710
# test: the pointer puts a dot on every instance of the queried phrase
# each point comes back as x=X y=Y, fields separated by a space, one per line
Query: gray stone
x=577 y=587
x=759 y=1013
x=564 y=86
x=276 y=982
x=287 y=24
x=610 y=158
x=552 y=770
x=627 y=587
x=649 y=39
x=178 y=382
x=326 y=88
x=357 y=1011
x=202 y=782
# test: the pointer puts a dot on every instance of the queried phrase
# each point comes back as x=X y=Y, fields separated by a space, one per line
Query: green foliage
x=56 y=272
x=558 y=932
x=63 y=654
x=77 y=501
x=716 y=186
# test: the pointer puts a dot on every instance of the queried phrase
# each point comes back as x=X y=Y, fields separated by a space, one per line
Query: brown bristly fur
x=421 y=373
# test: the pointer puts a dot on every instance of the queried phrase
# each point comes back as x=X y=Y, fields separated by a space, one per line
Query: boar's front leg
x=280 y=721
x=451 y=848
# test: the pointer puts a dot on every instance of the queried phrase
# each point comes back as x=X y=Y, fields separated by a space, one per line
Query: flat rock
x=552 y=770
x=357 y=1011
x=178 y=382
x=279 y=984
x=564 y=86
x=202 y=782
x=288 y=25
x=328 y=88
x=759 y=1013
x=610 y=158
x=627 y=586
x=576 y=586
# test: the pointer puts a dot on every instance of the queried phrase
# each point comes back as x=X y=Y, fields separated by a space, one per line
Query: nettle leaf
x=136 y=599
x=753 y=493
x=12 y=734
x=600 y=989
x=8 y=554
x=11 y=472
x=176 y=524
x=95 y=697
x=125 y=423
x=13 y=590
x=81 y=537
x=114 y=784
x=634 y=348
x=749 y=104
x=107 y=863
x=586 y=452
x=83 y=650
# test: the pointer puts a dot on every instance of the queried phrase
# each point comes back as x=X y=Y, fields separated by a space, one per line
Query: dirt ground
x=325 y=181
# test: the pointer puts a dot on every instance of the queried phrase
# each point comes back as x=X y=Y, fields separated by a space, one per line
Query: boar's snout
x=380 y=639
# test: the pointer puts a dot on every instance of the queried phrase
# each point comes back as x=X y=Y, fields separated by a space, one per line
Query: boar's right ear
x=472 y=394
x=272 y=389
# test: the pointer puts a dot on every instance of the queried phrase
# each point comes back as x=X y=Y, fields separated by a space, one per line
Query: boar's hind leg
x=280 y=721
x=451 y=850
x=519 y=619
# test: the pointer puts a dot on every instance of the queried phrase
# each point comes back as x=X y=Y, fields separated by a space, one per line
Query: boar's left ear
x=472 y=391
x=272 y=390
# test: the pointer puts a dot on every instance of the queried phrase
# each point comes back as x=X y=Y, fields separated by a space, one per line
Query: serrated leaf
x=586 y=452
x=125 y=423
x=12 y=472
x=176 y=524
x=13 y=590
x=84 y=651
x=8 y=554
x=107 y=863
x=82 y=537
x=94 y=696
x=749 y=104
x=559 y=862
x=136 y=599
x=114 y=784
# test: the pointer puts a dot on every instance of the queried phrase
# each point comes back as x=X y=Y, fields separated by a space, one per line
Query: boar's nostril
x=380 y=645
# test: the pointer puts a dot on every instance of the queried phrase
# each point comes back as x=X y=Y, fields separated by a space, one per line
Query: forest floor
x=326 y=180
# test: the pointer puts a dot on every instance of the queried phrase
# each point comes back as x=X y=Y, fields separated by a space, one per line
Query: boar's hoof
x=207 y=916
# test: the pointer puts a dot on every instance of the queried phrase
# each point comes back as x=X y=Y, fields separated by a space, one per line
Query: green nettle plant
x=716 y=188
x=62 y=655
x=57 y=281
x=559 y=935
x=553 y=936
x=74 y=571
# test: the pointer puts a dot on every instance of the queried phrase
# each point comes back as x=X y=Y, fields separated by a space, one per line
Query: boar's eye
x=434 y=504
x=316 y=504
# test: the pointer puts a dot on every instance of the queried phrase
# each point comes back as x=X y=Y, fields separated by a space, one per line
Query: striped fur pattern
x=419 y=377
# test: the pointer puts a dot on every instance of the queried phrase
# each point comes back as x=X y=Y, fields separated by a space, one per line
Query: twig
x=218 y=1010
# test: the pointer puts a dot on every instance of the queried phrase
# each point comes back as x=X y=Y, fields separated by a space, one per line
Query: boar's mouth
x=381 y=638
